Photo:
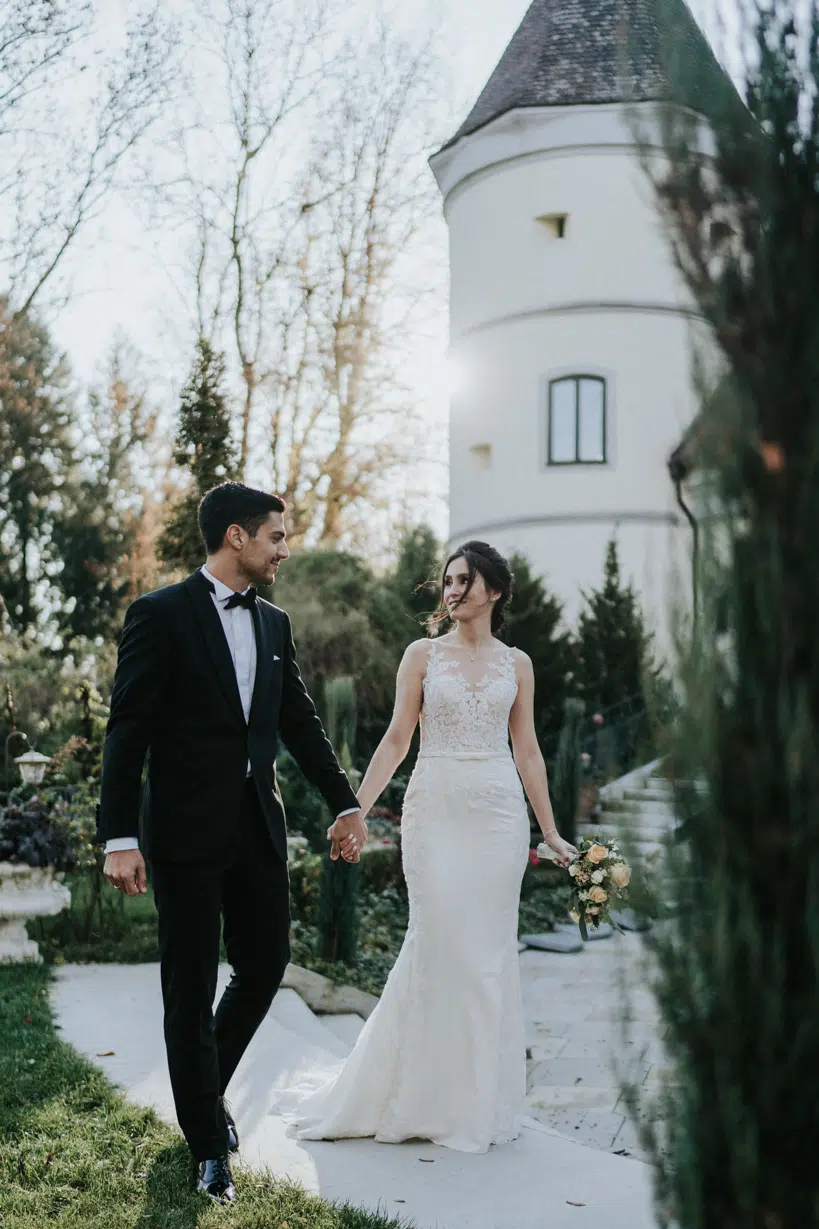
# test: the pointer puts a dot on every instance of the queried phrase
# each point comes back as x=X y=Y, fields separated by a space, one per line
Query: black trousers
x=250 y=890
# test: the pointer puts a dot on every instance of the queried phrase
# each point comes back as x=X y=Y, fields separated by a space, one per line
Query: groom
x=206 y=685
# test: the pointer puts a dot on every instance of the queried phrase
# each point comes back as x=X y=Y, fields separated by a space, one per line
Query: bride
x=442 y=1057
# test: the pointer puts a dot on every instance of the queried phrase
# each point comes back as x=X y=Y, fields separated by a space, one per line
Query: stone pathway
x=577 y=1053
x=561 y=1171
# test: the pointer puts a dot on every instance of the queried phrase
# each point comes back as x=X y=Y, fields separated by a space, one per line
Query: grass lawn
x=76 y=1155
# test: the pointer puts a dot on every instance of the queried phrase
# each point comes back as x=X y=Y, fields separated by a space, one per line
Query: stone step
x=633 y=806
x=637 y=832
x=638 y=827
x=345 y=1027
x=649 y=794
x=290 y=1010
x=629 y=823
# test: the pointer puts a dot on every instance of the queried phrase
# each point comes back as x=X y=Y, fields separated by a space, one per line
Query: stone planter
x=26 y=892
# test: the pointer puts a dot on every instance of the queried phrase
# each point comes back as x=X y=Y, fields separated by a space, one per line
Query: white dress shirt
x=237 y=624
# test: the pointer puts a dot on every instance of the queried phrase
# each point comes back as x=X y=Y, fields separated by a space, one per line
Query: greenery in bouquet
x=599 y=877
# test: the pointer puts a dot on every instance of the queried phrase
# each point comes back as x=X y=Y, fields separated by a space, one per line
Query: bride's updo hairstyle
x=481 y=559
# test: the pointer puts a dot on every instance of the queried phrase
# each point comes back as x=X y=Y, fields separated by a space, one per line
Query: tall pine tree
x=612 y=649
x=204 y=449
x=613 y=667
x=36 y=464
x=97 y=539
x=534 y=623
x=415 y=578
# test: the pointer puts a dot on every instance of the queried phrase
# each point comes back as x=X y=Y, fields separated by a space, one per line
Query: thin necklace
x=473 y=656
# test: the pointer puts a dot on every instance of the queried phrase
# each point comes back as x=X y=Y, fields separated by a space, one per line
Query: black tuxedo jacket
x=175 y=699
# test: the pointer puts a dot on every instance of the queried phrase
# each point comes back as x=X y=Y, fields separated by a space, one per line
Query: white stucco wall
x=527 y=307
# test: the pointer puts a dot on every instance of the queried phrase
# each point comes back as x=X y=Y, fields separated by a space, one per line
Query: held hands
x=125 y=869
x=348 y=836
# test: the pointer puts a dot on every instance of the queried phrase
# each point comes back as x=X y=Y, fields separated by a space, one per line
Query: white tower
x=570 y=328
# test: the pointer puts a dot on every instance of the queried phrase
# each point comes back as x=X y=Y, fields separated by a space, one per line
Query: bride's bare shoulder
x=523 y=661
x=416 y=653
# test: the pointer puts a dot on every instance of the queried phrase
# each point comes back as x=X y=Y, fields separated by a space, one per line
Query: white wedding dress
x=442 y=1057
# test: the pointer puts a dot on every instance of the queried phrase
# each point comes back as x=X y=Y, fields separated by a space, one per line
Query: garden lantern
x=32 y=767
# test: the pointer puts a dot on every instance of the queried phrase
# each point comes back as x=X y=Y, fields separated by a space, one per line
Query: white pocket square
x=275 y=658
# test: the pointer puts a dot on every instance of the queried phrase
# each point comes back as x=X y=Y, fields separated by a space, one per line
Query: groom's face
x=261 y=556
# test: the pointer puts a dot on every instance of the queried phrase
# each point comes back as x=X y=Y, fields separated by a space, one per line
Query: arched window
x=576 y=427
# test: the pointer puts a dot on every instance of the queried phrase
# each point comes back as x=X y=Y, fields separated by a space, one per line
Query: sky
x=117 y=282
x=117 y=277
x=123 y=284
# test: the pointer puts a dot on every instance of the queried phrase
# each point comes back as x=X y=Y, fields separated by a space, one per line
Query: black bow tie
x=248 y=599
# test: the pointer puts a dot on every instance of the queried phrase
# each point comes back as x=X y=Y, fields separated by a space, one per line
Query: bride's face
x=463 y=602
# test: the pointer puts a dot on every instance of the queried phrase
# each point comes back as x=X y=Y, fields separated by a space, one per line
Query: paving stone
x=646 y=1014
x=605 y=1049
x=595 y=1073
x=603 y=931
x=541 y=1044
x=627 y=1140
x=556 y=1097
x=605 y=1031
x=554 y=941
x=594 y=1128
x=627 y=919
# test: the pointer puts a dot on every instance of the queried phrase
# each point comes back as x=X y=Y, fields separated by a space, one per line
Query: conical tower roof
x=573 y=52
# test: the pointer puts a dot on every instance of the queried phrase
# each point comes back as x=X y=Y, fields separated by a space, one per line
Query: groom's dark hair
x=233 y=503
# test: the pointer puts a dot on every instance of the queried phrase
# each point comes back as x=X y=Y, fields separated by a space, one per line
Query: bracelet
x=549 y=833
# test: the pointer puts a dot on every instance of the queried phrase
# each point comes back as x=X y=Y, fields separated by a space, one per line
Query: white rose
x=573 y=869
x=597 y=877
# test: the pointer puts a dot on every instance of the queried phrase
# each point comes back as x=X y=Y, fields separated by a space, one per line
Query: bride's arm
x=529 y=758
x=395 y=744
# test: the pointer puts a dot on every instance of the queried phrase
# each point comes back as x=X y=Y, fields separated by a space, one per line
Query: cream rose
x=598 y=876
x=598 y=895
x=597 y=853
x=621 y=875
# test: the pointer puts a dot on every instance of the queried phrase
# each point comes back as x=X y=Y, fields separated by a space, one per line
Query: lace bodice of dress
x=467 y=713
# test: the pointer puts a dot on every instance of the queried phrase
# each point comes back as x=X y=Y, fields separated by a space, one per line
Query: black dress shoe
x=215 y=1180
x=233 y=1134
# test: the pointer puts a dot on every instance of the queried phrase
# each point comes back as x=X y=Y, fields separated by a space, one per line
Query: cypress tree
x=733 y=1137
x=204 y=450
x=37 y=459
x=534 y=624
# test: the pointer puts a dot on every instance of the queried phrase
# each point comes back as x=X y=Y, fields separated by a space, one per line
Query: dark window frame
x=576 y=379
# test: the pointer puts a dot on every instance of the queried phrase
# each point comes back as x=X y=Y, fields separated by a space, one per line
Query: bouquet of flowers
x=600 y=877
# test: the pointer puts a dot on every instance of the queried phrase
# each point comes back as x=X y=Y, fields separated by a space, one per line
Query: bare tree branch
x=61 y=163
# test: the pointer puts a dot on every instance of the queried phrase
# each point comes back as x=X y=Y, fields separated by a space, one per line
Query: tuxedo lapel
x=214 y=635
x=264 y=656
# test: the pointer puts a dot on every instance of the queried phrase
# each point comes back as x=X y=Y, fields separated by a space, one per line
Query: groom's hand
x=125 y=869
x=347 y=837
